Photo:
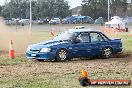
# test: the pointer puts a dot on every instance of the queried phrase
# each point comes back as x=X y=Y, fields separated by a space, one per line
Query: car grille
x=34 y=51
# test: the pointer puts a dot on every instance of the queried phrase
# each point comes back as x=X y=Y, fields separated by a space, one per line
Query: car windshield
x=64 y=36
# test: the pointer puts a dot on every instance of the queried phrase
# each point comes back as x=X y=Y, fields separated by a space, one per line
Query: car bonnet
x=46 y=44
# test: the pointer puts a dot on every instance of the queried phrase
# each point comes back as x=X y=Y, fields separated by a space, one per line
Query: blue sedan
x=75 y=43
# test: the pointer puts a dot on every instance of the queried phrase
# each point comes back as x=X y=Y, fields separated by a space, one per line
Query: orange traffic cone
x=52 y=33
x=84 y=73
x=11 y=51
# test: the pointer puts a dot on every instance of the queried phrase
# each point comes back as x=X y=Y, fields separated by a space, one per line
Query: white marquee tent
x=116 y=22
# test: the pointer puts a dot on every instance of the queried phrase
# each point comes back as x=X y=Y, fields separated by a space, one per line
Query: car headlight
x=45 y=50
x=28 y=49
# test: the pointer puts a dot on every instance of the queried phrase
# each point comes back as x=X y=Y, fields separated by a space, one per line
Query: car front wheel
x=106 y=53
x=61 y=55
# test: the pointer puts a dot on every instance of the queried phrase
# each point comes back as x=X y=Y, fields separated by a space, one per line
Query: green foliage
x=127 y=41
x=50 y=8
x=16 y=9
x=98 y=8
x=40 y=8
x=0 y=9
x=8 y=61
x=95 y=8
x=40 y=80
x=118 y=5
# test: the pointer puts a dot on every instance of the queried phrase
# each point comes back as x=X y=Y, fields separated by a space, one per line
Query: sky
x=2 y=1
x=72 y=3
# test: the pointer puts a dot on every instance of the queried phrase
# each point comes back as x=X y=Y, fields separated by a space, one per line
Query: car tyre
x=84 y=81
x=61 y=55
x=40 y=60
x=106 y=53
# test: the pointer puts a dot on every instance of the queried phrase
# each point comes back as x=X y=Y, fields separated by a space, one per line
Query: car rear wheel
x=40 y=60
x=61 y=55
x=106 y=53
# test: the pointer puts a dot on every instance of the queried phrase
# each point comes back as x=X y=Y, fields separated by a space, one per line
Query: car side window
x=83 y=37
x=95 y=37
x=104 y=37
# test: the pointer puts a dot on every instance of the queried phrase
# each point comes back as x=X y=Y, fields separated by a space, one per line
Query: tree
x=5 y=11
x=52 y=8
x=15 y=9
x=0 y=9
x=61 y=8
x=95 y=8
x=98 y=8
x=118 y=7
x=40 y=9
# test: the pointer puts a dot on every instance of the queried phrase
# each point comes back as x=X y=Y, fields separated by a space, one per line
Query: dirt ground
x=22 y=74
x=117 y=66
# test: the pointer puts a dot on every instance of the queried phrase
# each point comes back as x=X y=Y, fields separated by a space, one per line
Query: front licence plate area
x=33 y=55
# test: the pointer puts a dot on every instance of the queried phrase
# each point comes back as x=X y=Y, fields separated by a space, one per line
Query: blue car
x=75 y=43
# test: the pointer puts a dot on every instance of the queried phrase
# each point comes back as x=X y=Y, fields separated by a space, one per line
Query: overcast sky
x=72 y=3
x=2 y=1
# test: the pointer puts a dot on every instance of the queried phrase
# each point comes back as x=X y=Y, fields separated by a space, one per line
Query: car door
x=97 y=43
x=81 y=49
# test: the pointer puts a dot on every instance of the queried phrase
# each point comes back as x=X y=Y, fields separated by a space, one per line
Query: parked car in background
x=55 y=21
x=74 y=44
x=8 y=21
x=11 y=21
x=42 y=21
x=24 y=21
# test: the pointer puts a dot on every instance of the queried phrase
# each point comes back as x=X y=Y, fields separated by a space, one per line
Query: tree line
x=52 y=8
x=99 y=8
x=40 y=9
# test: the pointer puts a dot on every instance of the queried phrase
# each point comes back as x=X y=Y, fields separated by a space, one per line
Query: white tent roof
x=115 y=21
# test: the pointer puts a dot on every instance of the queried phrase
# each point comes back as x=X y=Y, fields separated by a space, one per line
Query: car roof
x=82 y=30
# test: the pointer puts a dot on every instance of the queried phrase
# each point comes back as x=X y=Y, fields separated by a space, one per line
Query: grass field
x=22 y=73
x=127 y=42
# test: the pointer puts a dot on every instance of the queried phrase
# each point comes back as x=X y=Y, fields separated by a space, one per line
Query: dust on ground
x=20 y=37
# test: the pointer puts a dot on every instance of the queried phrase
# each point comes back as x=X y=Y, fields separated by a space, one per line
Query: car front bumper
x=39 y=55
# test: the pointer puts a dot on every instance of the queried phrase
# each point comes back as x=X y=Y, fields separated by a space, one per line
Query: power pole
x=108 y=10
x=30 y=15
